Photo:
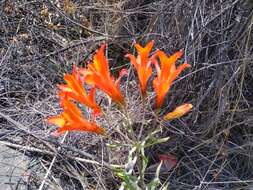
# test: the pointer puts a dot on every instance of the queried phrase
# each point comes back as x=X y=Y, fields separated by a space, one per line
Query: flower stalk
x=97 y=76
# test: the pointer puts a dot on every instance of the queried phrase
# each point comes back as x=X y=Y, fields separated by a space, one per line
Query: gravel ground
x=13 y=167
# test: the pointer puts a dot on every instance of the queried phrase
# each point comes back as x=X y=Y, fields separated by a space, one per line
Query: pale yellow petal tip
x=178 y=112
x=56 y=121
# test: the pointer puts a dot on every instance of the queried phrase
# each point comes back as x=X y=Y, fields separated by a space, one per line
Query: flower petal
x=133 y=60
x=100 y=62
x=98 y=75
x=180 y=69
x=57 y=120
x=65 y=88
x=142 y=64
x=145 y=50
x=122 y=73
x=72 y=120
x=166 y=73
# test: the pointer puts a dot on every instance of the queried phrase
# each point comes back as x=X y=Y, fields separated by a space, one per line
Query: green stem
x=140 y=168
x=129 y=125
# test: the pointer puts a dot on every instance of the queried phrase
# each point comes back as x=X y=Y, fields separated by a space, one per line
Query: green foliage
x=133 y=174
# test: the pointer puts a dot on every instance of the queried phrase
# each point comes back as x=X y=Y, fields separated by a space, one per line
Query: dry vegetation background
x=40 y=40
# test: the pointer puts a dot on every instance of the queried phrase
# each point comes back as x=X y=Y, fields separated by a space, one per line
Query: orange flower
x=166 y=74
x=72 y=120
x=142 y=64
x=178 y=112
x=74 y=90
x=98 y=75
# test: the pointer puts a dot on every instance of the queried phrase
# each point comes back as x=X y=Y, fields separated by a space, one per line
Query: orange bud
x=178 y=112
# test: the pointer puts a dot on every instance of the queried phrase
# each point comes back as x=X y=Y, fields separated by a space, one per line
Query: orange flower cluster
x=167 y=72
x=97 y=76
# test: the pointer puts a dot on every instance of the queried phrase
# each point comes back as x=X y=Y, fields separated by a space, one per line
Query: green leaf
x=154 y=141
x=129 y=182
x=155 y=182
x=144 y=160
x=115 y=144
x=152 y=135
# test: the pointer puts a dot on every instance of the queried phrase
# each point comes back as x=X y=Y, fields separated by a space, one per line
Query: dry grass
x=40 y=40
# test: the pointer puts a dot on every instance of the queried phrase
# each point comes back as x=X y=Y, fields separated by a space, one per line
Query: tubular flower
x=166 y=74
x=74 y=90
x=72 y=120
x=142 y=64
x=178 y=112
x=98 y=75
